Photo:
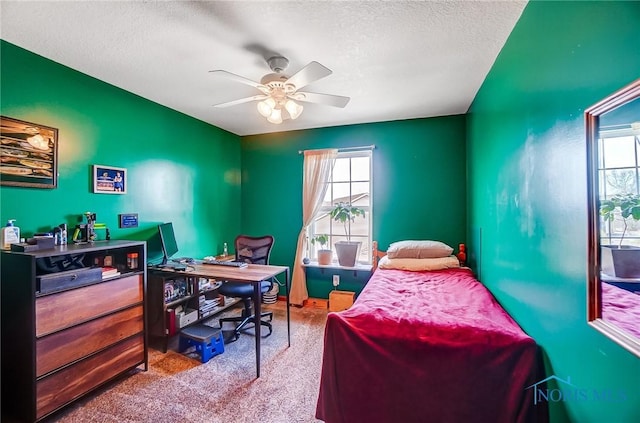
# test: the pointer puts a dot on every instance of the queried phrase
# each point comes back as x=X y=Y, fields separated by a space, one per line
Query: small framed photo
x=109 y=180
x=29 y=154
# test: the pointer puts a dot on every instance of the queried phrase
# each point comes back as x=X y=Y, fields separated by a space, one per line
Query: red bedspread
x=622 y=308
x=426 y=347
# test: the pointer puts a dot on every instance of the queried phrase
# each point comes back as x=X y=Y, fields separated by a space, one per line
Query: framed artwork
x=109 y=180
x=29 y=154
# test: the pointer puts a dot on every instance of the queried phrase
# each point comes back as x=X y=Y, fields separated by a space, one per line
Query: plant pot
x=347 y=252
x=324 y=257
x=623 y=262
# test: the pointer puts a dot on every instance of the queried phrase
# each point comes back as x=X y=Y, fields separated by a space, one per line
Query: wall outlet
x=336 y=280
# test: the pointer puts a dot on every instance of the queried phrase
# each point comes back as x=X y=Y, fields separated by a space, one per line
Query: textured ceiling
x=395 y=59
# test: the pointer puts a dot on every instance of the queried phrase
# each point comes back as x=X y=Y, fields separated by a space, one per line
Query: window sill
x=356 y=268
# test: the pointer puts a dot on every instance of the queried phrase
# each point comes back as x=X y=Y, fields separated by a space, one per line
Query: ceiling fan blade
x=326 y=99
x=310 y=73
x=242 y=100
x=238 y=78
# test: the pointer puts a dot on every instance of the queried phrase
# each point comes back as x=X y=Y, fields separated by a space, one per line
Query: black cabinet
x=67 y=327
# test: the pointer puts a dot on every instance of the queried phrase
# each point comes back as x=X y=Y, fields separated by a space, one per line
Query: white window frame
x=336 y=228
x=606 y=228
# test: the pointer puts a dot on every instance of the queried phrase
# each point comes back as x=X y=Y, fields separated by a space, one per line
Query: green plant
x=345 y=213
x=320 y=239
x=628 y=205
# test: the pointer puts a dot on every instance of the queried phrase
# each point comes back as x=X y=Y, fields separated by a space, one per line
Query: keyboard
x=224 y=263
x=183 y=260
x=174 y=266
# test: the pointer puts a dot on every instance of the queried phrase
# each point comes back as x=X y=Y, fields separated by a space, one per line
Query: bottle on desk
x=63 y=233
x=225 y=249
x=10 y=235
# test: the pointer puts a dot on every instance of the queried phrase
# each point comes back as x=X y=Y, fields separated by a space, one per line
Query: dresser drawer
x=61 y=387
x=59 y=311
x=66 y=346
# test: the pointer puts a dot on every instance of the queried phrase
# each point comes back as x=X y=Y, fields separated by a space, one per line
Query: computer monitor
x=168 y=241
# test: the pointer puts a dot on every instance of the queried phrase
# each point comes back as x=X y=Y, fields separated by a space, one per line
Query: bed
x=622 y=307
x=426 y=346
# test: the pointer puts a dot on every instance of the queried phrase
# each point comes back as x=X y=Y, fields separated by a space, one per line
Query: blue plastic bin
x=207 y=340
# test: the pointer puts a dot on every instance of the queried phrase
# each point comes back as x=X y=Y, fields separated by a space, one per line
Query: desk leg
x=287 y=282
x=257 y=310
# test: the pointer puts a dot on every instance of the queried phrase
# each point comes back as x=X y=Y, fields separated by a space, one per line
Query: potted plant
x=622 y=261
x=324 y=255
x=347 y=251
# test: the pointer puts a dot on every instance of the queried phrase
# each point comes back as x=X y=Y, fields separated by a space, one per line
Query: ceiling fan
x=280 y=93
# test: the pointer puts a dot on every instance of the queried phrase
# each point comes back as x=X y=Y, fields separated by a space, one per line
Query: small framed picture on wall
x=109 y=180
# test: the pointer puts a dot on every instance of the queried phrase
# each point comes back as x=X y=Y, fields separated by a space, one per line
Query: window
x=619 y=168
x=350 y=182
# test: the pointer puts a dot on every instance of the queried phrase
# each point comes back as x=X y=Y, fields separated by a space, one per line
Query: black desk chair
x=255 y=250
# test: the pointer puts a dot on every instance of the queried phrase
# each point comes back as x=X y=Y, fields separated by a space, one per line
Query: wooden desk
x=253 y=273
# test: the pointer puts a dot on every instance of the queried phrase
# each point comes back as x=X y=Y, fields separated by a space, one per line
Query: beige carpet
x=179 y=388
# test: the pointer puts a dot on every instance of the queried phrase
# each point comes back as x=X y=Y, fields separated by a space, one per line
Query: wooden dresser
x=66 y=328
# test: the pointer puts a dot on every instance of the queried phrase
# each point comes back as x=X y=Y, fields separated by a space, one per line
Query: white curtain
x=317 y=169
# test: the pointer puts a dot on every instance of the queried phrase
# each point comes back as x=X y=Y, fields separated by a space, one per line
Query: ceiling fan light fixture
x=275 y=117
x=293 y=108
x=280 y=93
x=265 y=107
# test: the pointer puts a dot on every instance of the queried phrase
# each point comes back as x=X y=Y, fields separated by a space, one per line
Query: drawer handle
x=74 y=277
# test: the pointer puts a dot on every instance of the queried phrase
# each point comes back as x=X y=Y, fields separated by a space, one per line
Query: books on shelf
x=109 y=272
x=208 y=307
x=209 y=304
x=175 y=289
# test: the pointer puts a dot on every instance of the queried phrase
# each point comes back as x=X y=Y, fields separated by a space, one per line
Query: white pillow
x=419 y=249
x=416 y=265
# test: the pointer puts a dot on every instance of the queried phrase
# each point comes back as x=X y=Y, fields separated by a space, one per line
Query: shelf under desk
x=253 y=273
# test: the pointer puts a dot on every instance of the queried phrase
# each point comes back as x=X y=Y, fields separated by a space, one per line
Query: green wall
x=419 y=188
x=528 y=194
x=179 y=169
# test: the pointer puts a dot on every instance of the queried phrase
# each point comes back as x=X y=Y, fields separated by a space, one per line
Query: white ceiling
x=395 y=59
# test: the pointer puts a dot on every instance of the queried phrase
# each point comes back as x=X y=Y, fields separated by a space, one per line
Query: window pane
x=360 y=226
x=619 y=152
x=326 y=202
x=602 y=184
x=340 y=236
x=605 y=231
x=633 y=229
x=340 y=192
x=365 y=251
x=341 y=170
x=360 y=169
x=620 y=181
x=616 y=227
x=323 y=225
x=360 y=194
x=600 y=148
